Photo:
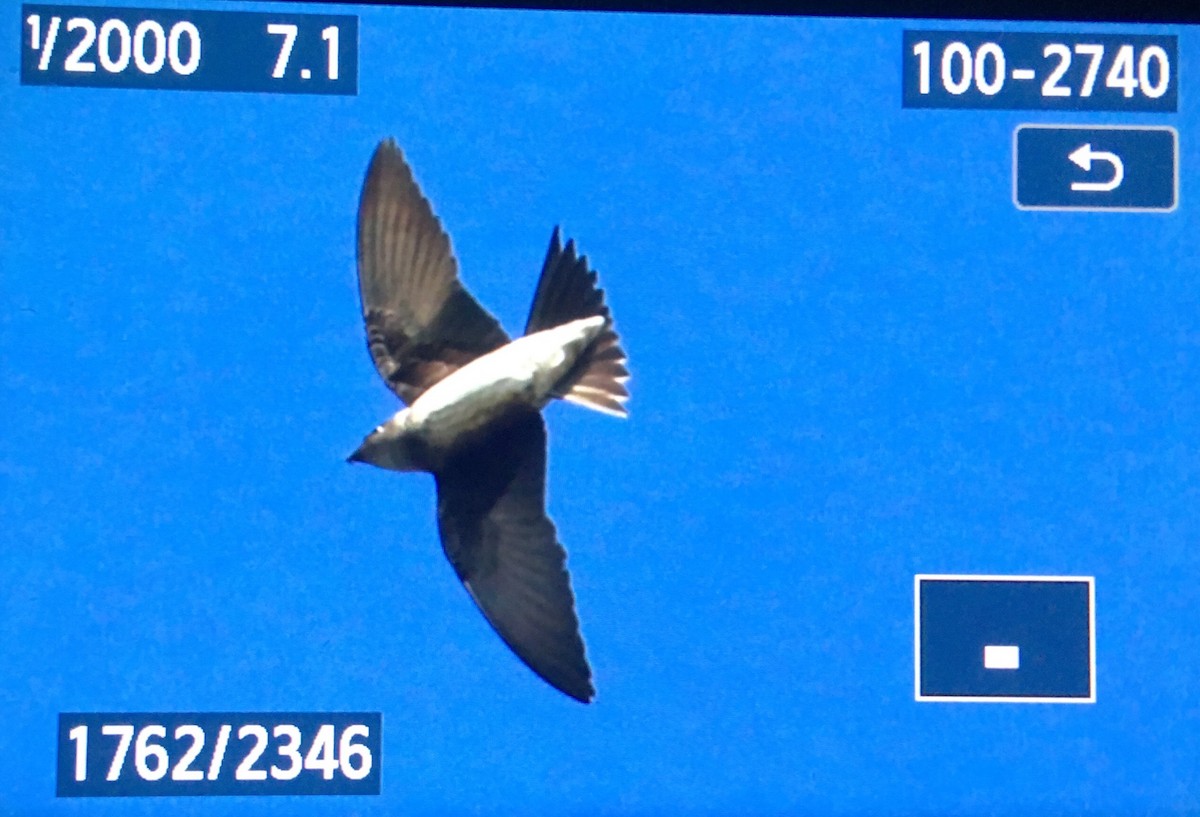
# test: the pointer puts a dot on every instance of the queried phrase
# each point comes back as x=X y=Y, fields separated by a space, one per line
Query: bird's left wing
x=421 y=323
x=494 y=528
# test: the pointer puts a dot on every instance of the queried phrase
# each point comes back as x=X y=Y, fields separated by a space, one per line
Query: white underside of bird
x=521 y=373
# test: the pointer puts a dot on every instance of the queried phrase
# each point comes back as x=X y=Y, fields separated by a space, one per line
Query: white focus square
x=1001 y=657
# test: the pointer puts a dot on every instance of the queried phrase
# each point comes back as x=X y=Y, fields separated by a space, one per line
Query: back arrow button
x=1083 y=156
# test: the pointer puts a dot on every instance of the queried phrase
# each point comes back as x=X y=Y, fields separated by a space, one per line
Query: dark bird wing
x=421 y=324
x=494 y=528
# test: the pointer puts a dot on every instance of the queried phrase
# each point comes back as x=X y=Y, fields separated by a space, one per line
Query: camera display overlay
x=440 y=410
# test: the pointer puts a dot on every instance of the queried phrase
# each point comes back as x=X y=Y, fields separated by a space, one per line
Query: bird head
x=388 y=446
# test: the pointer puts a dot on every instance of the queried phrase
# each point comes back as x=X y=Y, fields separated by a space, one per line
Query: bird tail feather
x=567 y=291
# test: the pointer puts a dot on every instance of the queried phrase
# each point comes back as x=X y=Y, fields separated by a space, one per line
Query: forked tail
x=567 y=291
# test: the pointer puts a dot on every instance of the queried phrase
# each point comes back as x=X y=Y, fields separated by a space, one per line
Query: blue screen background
x=854 y=360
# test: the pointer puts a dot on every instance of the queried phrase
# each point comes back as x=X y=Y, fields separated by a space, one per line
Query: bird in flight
x=473 y=417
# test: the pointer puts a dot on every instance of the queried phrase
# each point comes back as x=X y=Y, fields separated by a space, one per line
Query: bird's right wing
x=421 y=323
x=494 y=528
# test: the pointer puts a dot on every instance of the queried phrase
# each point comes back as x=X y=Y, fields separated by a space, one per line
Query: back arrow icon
x=1083 y=155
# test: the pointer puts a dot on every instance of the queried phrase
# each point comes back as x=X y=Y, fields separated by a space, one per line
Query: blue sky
x=853 y=358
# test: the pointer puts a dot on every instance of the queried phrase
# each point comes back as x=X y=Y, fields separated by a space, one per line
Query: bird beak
x=357 y=456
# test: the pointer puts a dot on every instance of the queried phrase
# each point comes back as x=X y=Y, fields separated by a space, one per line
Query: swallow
x=473 y=409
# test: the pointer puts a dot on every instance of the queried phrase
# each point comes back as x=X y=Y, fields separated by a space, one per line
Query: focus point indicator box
x=1006 y=639
x=1001 y=657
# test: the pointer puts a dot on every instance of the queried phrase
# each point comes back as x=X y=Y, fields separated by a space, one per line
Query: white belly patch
x=520 y=373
